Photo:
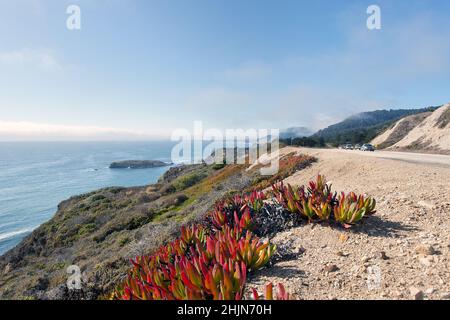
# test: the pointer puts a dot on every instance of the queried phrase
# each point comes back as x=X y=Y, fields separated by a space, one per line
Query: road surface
x=411 y=157
x=421 y=158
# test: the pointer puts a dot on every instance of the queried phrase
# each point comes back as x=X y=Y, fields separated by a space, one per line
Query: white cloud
x=317 y=108
x=25 y=130
x=39 y=58
x=373 y=70
x=416 y=46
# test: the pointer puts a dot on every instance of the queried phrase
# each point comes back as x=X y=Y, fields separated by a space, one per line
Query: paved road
x=423 y=158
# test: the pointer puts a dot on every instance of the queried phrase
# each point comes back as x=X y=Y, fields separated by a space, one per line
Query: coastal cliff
x=101 y=231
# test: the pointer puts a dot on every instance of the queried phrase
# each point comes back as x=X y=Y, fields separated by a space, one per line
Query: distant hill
x=363 y=127
x=428 y=131
x=295 y=132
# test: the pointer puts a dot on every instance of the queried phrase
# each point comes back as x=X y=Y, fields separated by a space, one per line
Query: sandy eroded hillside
x=425 y=132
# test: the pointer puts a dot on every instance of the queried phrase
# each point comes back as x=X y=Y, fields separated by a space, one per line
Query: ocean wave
x=8 y=235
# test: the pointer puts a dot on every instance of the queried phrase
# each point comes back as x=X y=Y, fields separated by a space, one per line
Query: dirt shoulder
x=400 y=253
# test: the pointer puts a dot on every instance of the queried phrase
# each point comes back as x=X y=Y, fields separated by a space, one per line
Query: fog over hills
x=295 y=132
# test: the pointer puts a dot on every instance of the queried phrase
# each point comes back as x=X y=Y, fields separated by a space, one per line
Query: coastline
x=36 y=176
x=139 y=221
x=101 y=231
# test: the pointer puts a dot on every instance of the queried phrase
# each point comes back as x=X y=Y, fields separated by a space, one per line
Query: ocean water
x=36 y=176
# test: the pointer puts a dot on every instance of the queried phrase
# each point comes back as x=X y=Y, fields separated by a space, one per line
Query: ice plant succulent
x=318 y=202
x=254 y=253
x=237 y=211
x=281 y=294
x=211 y=260
x=197 y=266
x=369 y=205
x=350 y=209
x=289 y=197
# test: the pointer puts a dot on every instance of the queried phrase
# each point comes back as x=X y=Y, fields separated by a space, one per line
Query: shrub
x=87 y=228
x=187 y=181
x=218 y=166
x=97 y=197
x=288 y=165
x=180 y=199
x=167 y=189
x=124 y=240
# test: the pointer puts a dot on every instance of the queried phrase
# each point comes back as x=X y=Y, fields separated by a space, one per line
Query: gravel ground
x=400 y=253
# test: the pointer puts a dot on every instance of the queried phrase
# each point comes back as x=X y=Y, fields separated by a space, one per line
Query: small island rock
x=138 y=164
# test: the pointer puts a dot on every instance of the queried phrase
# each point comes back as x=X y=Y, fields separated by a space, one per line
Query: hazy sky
x=148 y=67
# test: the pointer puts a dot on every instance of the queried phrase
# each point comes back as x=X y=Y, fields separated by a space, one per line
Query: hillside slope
x=365 y=126
x=399 y=130
x=423 y=132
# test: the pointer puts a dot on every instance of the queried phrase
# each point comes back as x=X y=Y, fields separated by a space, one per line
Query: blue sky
x=148 y=67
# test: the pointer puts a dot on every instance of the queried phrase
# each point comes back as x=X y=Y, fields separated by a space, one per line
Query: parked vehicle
x=367 y=147
x=348 y=146
x=357 y=147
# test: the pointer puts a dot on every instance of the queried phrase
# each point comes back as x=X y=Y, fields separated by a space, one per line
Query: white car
x=367 y=147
